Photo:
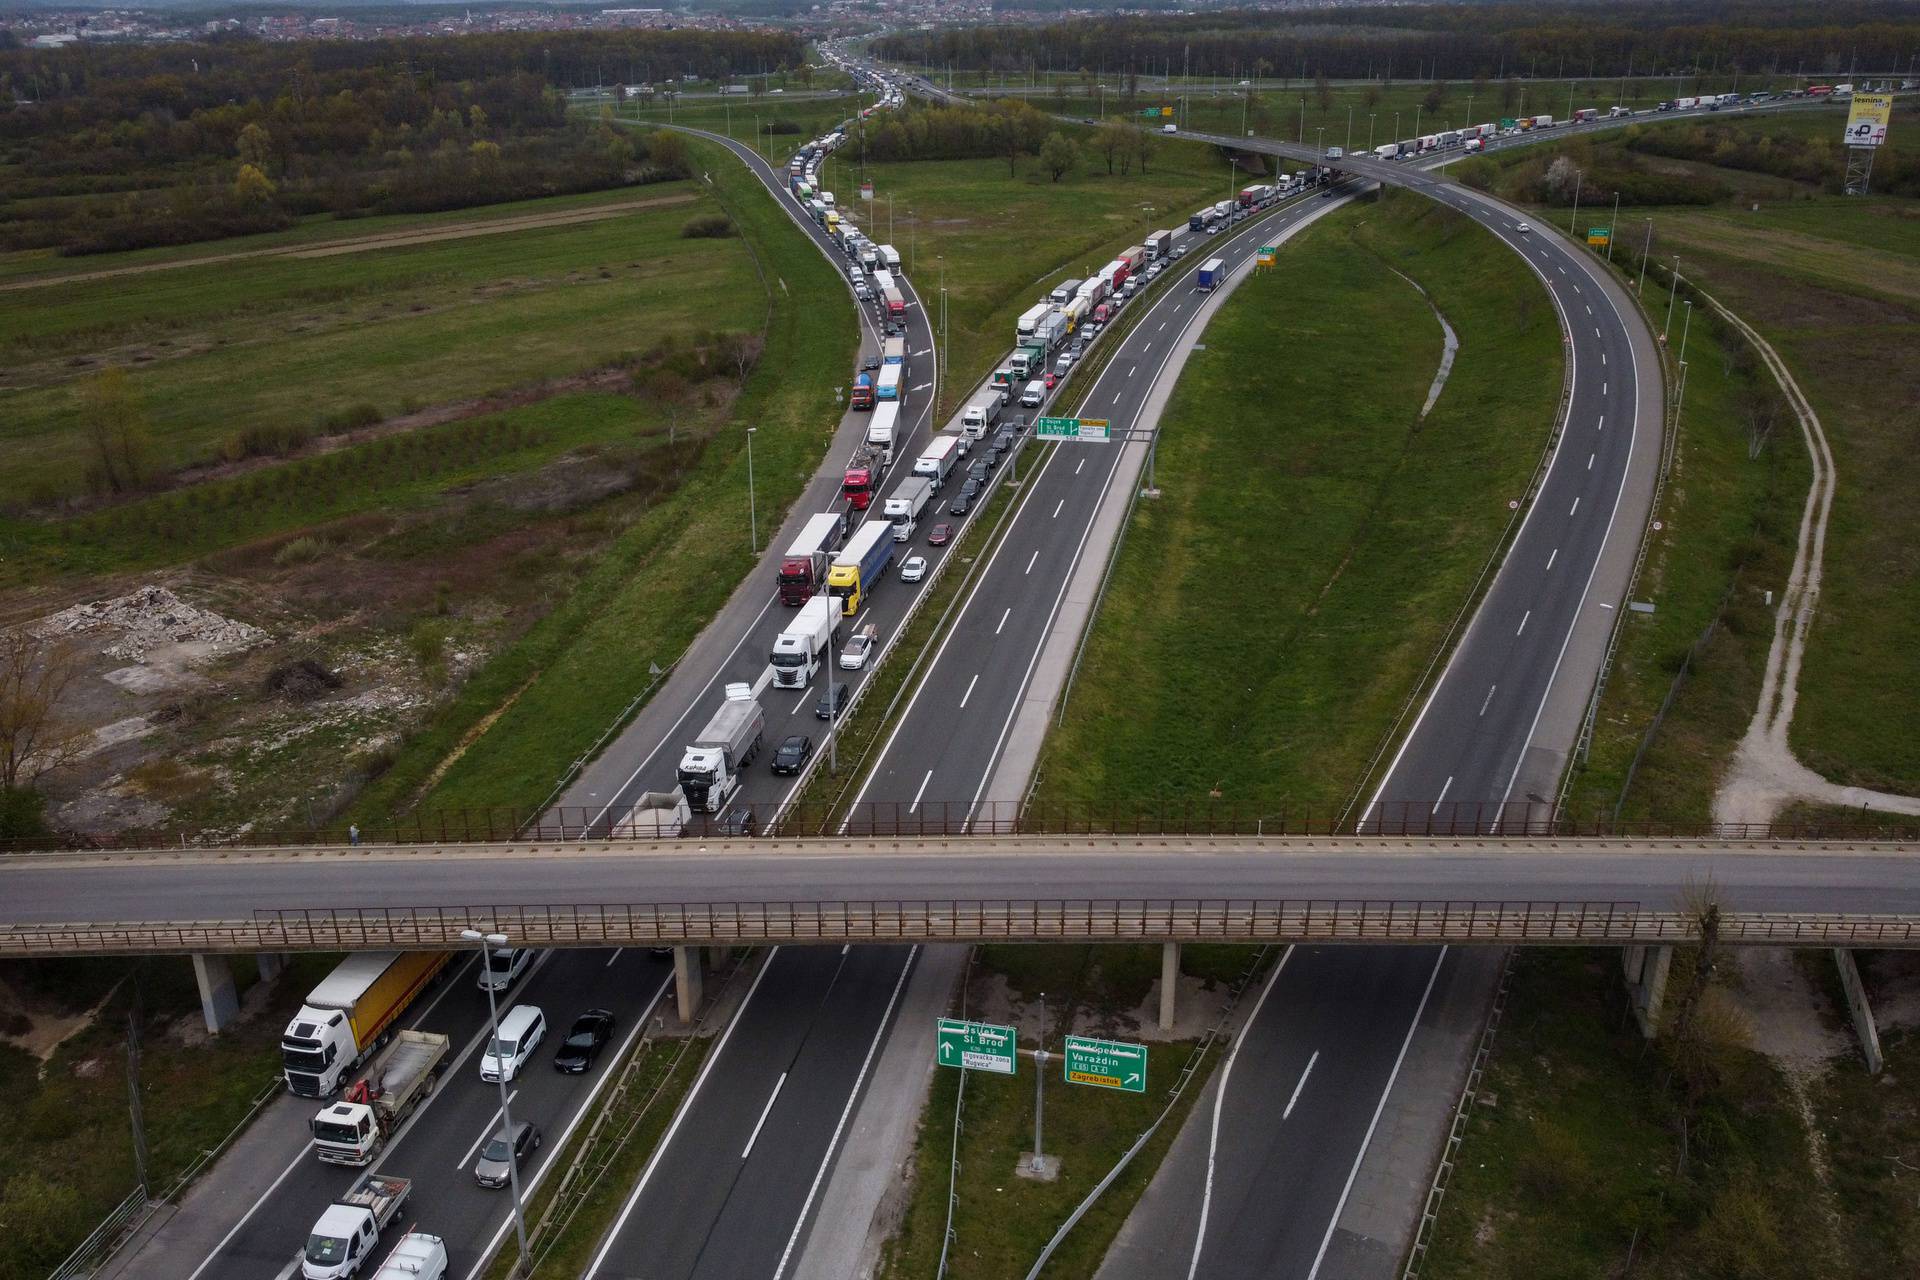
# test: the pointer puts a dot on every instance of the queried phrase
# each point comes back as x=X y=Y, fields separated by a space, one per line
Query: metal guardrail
x=97 y=1247
x=1558 y=923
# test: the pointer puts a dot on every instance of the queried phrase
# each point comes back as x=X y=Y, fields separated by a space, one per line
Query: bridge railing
x=1520 y=922
x=1201 y=817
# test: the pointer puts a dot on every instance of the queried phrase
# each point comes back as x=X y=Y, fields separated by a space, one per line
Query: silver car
x=490 y=1170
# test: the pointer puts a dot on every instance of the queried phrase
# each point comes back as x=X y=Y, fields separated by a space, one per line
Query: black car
x=793 y=754
x=1003 y=442
x=978 y=469
x=871 y=362
x=841 y=692
x=591 y=1031
x=962 y=502
x=972 y=488
x=738 y=821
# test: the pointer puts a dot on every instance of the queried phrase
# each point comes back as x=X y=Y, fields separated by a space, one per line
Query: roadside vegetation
x=1354 y=527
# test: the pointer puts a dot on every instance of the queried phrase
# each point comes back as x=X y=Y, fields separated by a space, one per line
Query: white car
x=859 y=649
x=1523 y=228
x=914 y=569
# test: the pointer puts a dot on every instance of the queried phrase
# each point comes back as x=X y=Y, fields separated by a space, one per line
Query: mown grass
x=1269 y=614
x=64 y=1131
x=266 y=345
x=1572 y=1163
x=649 y=593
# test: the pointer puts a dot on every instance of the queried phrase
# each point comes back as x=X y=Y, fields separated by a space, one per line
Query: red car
x=1052 y=380
x=942 y=534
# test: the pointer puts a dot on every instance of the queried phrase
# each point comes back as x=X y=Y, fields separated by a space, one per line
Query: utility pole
x=1349 y=146
x=1613 y=227
x=753 y=515
x=1673 y=291
x=1645 y=249
x=135 y=1113
x=485 y=941
x=1573 y=223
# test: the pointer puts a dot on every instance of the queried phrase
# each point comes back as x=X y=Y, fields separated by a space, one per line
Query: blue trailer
x=1211 y=273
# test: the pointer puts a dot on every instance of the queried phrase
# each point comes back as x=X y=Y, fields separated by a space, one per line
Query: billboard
x=1867 y=119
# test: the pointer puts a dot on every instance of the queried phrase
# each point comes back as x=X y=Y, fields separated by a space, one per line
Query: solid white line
x=1488 y=700
x=1301 y=1085
x=1523 y=621
x=1030 y=561
x=922 y=791
x=833 y=1143
x=1219 y=1098
x=754 y=1137
x=264 y=1197
x=1553 y=557
x=1003 y=619
x=1373 y=1124
x=485 y=1131
x=969 y=692
x=1444 y=788
x=666 y=1139
x=1574 y=508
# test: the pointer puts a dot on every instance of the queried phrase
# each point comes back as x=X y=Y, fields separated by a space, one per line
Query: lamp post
x=753 y=515
x=1645 y=249
x=1613 y=227
x=1370 y=116
x=485 y=941
x=1349 y=146
x=1673 y=291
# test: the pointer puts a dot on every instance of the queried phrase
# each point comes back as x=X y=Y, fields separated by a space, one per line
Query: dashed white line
x=1056 y=509
x=1488 y=700
x=1116 y=397
x=1602 y=424
x=1603 y=388
x=1131 y=370
x=1590 y=458
x=1523 y=621
x=1575 y=507
x=922 y=791
x=1147 y=348
x=754 y=1137
x=1162 y=328
x=1078 y=465
x=1003 y=619
x=1553 y=557
x=1031 y=559
x=969 y=692
x=1442 y=799
x=614 y=956
x=1589 y=308
x=485 y=1133
x=1300 y=1085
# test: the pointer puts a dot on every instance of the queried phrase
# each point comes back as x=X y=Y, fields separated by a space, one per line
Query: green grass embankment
x=1271 y=612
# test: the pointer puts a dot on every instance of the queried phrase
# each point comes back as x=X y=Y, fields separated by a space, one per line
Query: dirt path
x=371 y=243
x=1764 y=777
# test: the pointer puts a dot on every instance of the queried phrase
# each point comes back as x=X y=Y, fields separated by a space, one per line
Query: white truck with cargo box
x=886 y=416
x=355 y=1129
x=418 y=1256
x=710 y=767
x=982 y=413
x=1159 y=245
x=890 y=256
x=343 y=1239
x=1030 y=319
x=1063 y=292
x=908 y=500
x=797 y=651
x=936 y=463
x=346 y=1019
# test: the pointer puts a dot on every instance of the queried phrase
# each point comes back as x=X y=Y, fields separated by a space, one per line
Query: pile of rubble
x=154 y=618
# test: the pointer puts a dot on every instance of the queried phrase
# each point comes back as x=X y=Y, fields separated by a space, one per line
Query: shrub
x=350 y=418
x=299 y=551
x=263 y=442
x=708 y=226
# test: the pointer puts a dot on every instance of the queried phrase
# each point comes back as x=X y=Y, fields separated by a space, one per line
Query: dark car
x=871 y=362
x=971 y=489
x=591 y=1031
x=830 y=710
x=942 y=534
x=961 y=504
x=977 y=471
x=1003 y=442
x=793 y=754
x=491 y=1169
x=737 y=821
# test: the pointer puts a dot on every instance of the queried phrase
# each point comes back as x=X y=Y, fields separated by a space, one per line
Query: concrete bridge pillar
x=1169 y=982
x=271 y=964
x=1646 y=973
x=219 y=998
x=1863 y=1025
x=689 y=973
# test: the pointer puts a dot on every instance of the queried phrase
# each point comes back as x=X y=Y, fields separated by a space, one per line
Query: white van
x=1032 y=397
x=521 y=1032
x=503 y=967
x=418 y=1256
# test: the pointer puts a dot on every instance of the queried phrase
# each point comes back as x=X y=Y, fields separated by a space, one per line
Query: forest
x=1448 y=41
x=109 y=147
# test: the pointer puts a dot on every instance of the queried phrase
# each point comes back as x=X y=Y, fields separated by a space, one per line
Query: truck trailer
x=345 y=1019
x=1159 y=245
x=355 y=1129
x=937 y=461
x=710 y=767
x=881 y=427
x=859 y=567
x=799 y=650
x=803 y=569
x=1064 y=292
x=1211 y=273
x=982 y=413
x=888 y=388
x=903 y=507
x=1032 y=316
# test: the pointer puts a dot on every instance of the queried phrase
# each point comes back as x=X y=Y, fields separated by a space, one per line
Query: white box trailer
x=904 y=505
x=1030 y=318
x=799 y=650
x=880 y=427
x=710 y=767
x=982 y=414
x=936 y=463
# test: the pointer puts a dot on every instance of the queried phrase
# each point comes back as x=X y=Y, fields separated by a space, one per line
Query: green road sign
x=977 y=1046
x=1097 y=430
x=1106 y=1064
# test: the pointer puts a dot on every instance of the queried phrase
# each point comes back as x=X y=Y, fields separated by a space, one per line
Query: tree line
x=130 y=150
x=1450 y=41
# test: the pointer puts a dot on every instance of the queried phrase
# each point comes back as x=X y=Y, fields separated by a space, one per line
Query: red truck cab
x=863 y=392
x=857 y=488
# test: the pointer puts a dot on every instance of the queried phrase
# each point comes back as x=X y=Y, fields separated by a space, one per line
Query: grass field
x=1350 y=529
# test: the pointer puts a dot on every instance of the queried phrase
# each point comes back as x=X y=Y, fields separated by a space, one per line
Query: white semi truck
x=799 y=650
x=355 y=1129
x=909 y=499
x=710 y=767
x=938 y=459
x=345 y=1019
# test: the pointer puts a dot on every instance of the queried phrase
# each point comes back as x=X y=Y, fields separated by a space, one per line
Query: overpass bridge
x=969 y=888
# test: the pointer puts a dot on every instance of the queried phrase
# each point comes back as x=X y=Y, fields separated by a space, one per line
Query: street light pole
x=485 y=941
x=1673 y=291
x=753 y=515
x=1645 y=249
x=1349 y=146
x=1613 y=227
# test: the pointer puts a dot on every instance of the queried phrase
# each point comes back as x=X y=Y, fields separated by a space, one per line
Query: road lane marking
x=1056 y=509
x=921 y=792
x=1603 y=357
x=1003 y=619
x=1605 y=605
x=754 y=1137
x=1574 y=508
x=1553 y=557
x=1149 y=345
x=1444 y=788
x=1162 y=328
x=1523 y=621
x=1032 y=558
x=485 y=1131
x=1077 y=466
x=615 y=956
x=1589 y=308
x=1488 y=700
x=1301 y=1085
x=1603 y=388
x=1117 y=395
x=1131 y=370
x=969 y=692
x=1602 y=424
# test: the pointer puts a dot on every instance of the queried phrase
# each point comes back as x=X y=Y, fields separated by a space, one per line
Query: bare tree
x=35 y=738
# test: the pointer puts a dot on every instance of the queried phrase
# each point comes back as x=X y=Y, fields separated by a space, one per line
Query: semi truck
x=343 y=1238
x=883 y=279
x=1030 y=318
x=909 y=499
x=880 y=429
x=859 y=568
x=1197 y=221
x=896 y=303
x=1135 y=256
x=894 y=350
x=803 y=569
x=798 y=651
x=862 y=396
x=982 y=413
x=1096 y=290
x=1585 y=114
x=888 y=388
x=1159 y=245
x=1387 y=150
x=710 y=766
x=1212 y=272
x=890 y=256
x=355 y=1129
x=1076 y=311
x=937 y=460
x=346 y=1019
x=1064 y=291
x=863 y=477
